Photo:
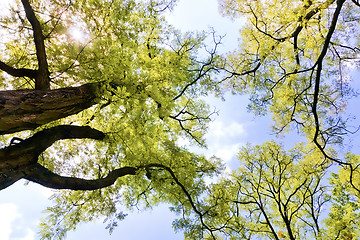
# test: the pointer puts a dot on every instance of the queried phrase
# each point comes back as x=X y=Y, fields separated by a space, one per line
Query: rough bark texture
x=27 y=109
x=20 y=160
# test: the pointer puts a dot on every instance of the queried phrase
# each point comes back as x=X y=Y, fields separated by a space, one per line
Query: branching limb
x=27 y=151
x=26 y=154
x=40 y=141
x=183 y=116
x=45 y=177
x=188 y=195
x=205 y=69
x=317 y=92
x=319 y=63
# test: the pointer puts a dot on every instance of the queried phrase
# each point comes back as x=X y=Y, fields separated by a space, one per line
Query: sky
x=21 y=205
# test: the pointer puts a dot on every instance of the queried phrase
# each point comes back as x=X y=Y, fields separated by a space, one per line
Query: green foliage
x=293 y=61
x=343 y=218
x=273 y=191
x=280 y=62
x=151 y=81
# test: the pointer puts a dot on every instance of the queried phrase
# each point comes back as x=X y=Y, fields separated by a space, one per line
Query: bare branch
x=188 y=195
x=45 y=177
x=204 y=69
x=21 y=72
x=40 y=141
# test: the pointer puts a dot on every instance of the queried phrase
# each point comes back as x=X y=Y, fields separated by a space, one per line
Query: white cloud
x=224 y=140
x=8 y=215
x=196 y=20
x=227 y=152
x=29 y=236
x=218 y=129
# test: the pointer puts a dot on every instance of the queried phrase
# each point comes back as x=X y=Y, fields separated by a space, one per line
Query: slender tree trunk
x=42 y=78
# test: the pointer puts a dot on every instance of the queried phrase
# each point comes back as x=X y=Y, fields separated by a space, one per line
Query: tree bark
x=27 y=151
x=9 y=177
x=42 y=79
x=21 y=72
x=43 y=176
x=20 y=160
x=28 y=109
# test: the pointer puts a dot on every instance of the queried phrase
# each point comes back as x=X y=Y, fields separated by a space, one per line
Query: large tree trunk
x=27 y=109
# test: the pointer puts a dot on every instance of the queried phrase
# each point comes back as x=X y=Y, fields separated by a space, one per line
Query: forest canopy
x=97 y=96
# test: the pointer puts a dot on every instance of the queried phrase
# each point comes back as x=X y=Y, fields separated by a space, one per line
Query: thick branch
x=45 y=138
x=21 y=72
x=27 y=151
x=9 y=177
x=43 y=176
x=42 y=79
x=317 y=92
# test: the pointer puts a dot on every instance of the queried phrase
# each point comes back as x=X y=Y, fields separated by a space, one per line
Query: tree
x=273 y=195
x=131 y=83
x=296 y=64
x=295 y=61
x=278 y=194
x=134 y=85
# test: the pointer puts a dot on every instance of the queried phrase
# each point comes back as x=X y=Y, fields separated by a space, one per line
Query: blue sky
x=21 y=206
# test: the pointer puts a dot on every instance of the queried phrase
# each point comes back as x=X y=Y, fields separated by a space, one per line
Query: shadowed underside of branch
x=43 y=176
x=20 y=160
